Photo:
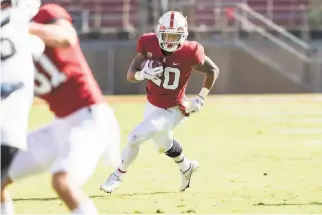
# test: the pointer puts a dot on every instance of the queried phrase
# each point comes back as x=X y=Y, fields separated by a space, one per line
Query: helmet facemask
x=171 y=31
x=171 y=41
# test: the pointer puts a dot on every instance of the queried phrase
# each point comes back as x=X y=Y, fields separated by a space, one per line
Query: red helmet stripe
x=171 y=19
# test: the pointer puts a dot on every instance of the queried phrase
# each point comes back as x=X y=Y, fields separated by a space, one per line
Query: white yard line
x=300 y=131
x=305 y=121
x=312 y=142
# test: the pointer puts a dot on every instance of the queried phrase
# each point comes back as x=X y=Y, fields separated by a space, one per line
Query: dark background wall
x=240 y=71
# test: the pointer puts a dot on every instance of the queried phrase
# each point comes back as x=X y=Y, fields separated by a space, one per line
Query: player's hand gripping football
x=148 y=73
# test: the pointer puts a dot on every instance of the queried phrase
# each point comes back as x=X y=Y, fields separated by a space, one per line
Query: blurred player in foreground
x=18 y=48
x=84 y=127
x=167 y=106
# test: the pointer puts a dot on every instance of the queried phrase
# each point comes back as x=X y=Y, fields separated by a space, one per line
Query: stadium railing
x=296 y=59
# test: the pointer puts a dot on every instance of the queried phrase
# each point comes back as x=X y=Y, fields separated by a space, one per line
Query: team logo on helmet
x=172 y=31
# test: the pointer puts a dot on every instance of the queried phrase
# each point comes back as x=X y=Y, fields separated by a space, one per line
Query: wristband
x=138 y=77
x=204 y=92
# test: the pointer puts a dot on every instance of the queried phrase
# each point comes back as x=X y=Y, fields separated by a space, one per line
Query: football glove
x=195 y=104
x=148 y=73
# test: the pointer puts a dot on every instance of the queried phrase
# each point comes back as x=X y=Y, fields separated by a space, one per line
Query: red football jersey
x=169 y=90
x=64 y=79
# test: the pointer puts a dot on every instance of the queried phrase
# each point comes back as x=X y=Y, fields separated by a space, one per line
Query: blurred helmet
x=31 y=7
x=172 y=31
x=3 y=1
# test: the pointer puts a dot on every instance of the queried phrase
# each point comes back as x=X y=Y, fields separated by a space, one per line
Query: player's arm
x=207 y=67
x=59 y=34
x=135 y=66
x=133 y=72
x=211 y=71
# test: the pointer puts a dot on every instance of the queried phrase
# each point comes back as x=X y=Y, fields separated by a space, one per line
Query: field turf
x=257 y=154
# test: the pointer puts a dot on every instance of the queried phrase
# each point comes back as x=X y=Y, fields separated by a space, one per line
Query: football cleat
x=111 y=183
x=186 y=176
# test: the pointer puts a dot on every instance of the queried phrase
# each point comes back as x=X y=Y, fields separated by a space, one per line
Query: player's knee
x=60 y=182
x=132 y=138
x=137 y=137
x=175 y=150
x=163 y=146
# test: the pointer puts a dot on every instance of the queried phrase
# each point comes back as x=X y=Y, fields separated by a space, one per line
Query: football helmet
x=172 y=31
x=31 y=7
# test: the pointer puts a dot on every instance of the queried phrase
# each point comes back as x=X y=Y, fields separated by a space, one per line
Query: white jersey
x=17 y=76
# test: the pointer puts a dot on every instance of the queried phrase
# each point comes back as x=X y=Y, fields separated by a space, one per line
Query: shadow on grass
x=287 y=204
x=44 y=199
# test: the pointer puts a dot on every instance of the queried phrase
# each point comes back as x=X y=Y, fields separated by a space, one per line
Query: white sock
x=129 y=154
x=7 y=207
x=183 y=162
x=85 y=207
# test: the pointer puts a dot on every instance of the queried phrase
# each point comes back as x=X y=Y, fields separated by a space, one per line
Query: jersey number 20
x=166 y=82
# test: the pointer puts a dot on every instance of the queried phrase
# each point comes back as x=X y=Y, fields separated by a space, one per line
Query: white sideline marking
x=272 y=112
x=312 y=142
x=305 y=121
x=301 y=131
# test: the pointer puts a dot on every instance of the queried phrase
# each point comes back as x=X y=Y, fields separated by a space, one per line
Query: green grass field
x=257 y=154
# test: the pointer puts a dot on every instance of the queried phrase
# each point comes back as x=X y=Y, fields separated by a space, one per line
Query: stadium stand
x=124 y=14
x=111 y=14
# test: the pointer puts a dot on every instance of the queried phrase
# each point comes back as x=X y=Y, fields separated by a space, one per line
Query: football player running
x=18 y=48
x=84 y=126
x=167 y=105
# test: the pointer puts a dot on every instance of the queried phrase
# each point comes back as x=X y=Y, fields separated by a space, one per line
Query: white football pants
x=157 y=124
x=73 y=144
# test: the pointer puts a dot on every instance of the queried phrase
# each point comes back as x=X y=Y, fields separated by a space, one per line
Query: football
x=152 y=64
